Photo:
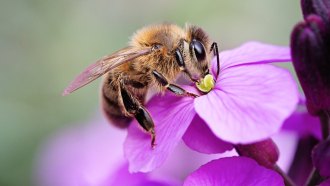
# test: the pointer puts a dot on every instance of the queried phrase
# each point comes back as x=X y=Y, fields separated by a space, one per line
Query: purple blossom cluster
x=223 y=137
x=310 y=46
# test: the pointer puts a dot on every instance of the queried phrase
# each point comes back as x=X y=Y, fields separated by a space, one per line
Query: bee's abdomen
x=112 y=106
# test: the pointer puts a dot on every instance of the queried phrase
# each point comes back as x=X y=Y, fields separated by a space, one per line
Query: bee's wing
x=104 y=65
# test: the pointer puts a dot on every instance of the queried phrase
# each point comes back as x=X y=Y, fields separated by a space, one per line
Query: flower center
x=206 y=84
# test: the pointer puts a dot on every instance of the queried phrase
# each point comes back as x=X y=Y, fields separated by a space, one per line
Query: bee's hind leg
x=143 y=117
x=133 y=106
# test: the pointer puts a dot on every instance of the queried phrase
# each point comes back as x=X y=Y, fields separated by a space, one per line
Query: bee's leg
x=143 y=117
x=172 y=87
x=133 y=106
x=214 y=48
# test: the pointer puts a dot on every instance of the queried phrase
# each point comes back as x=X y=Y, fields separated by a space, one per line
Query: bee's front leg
x=141 y=114
x=172 y=87
x=214 y=48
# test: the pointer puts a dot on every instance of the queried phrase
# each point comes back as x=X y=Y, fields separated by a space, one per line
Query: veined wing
x=104 y=65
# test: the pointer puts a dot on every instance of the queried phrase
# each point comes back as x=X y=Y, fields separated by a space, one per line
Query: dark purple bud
x=307 y=7
x=321 y=157
x=310 y=55
x=325 y=183
x=265 y=152
x=318 y=7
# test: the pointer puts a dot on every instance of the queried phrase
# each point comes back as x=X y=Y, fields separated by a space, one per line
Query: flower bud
x=264 y=152
x=321 y=157
x=317 y=7
x=311 y=60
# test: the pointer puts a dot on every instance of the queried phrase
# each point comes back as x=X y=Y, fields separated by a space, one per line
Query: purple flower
x=307 y=130
x=234 y=171
x=249 y=103
x=92 y=154
x=310 y=46
x=302 y=123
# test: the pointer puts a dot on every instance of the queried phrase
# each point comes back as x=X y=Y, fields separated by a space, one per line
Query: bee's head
x=193 y=54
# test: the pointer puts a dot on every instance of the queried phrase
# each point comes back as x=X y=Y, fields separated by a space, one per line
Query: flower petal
x=251 y=53
x=81 y=155
x=123 y=177
x=304 y=124
x=200 y=138
x=234 y=171
x=249 y=102
x=172 y=116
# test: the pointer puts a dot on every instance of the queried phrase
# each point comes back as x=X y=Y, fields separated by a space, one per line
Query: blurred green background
x=44 y=44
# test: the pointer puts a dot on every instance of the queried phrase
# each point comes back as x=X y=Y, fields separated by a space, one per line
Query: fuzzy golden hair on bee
x=195 y=32
x=155 y=57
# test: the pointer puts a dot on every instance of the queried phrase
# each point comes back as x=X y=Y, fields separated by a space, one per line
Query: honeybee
x=156 y=55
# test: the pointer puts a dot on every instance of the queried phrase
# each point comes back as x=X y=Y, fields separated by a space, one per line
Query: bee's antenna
x=214 y=47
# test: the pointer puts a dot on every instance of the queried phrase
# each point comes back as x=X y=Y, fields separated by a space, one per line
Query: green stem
x=287 y=179
x=314 y=178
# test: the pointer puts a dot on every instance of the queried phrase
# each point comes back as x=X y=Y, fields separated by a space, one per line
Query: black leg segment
x=171 y=87
x=180 y=91
x=179 y=58
x=214 y=48
x=133 y=106
x=146 y=122
x=160 y=78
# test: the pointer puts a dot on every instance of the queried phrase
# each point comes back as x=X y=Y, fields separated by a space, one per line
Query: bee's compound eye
x=156 y=46
x=199 y=50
